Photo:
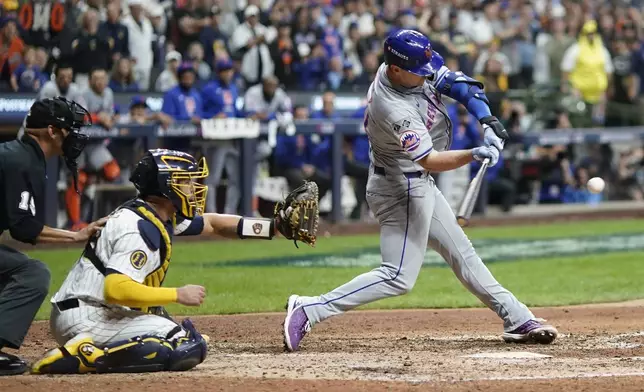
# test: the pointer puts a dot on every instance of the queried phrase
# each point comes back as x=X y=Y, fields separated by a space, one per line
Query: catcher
x=108 y=315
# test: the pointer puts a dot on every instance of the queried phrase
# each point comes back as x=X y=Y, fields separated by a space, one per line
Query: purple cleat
x=532 y=331
x=296 y=324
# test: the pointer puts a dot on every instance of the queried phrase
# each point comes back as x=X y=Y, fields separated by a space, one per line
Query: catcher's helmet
x=174 y=175
x=412 y=51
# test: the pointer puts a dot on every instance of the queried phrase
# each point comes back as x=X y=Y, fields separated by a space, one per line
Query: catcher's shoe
x=296 y=324
x=77 y=356
x=532 y=331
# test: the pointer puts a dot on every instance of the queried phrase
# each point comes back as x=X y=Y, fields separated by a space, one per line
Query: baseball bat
x=472 y=193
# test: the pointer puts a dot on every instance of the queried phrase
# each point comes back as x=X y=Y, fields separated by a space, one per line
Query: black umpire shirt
x=22 y=198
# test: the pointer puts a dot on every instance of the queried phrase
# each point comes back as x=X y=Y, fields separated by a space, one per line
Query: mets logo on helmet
x=428 y=51
x=409 y=141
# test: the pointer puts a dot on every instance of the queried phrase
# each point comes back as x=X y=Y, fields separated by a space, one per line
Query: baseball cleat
x=532 y=331
x=296 y=324
x=11 y=365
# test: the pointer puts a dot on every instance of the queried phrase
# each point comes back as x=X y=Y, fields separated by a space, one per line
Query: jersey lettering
x=42 y=14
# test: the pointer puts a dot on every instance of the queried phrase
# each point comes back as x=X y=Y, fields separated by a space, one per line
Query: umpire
x=52 y=129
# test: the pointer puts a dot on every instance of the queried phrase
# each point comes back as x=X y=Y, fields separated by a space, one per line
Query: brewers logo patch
x=409 y=141
x=87 y=349
x=138 y=258
x=257 y=228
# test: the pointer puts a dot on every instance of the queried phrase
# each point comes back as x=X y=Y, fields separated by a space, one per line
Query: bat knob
x=462 y=221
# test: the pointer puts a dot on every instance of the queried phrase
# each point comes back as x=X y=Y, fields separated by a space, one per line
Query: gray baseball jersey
x=403 y=126
x=99 y=103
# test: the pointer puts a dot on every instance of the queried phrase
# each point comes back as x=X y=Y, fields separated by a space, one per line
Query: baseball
x=596 y=185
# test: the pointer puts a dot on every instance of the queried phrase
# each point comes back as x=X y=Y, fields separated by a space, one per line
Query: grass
x=552 y=281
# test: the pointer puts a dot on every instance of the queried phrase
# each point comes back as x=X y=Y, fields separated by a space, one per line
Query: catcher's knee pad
x=152 y=354
x=78 y=356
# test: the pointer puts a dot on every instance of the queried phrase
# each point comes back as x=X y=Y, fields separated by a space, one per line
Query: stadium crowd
x=204 y=55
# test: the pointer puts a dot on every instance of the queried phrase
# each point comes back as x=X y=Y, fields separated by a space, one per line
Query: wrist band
x=258 y=228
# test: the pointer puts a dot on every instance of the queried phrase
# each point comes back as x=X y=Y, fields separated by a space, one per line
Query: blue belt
x=381 y=171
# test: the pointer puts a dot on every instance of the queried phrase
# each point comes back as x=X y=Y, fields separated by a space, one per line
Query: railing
x=338 y=129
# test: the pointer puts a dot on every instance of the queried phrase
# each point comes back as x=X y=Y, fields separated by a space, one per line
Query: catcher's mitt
x=298 y=215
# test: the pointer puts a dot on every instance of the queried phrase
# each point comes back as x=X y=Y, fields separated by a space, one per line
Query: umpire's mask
x=63 y=114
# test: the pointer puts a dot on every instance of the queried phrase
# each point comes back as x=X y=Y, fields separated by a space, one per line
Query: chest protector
x=155 y=278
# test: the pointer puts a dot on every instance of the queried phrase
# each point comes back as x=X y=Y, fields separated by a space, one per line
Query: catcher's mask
x=174 y=175
x=61 y=113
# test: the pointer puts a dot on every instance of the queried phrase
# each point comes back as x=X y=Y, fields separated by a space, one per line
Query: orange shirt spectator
x=11 y=46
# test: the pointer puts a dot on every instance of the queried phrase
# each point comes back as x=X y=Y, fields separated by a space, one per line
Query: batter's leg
x=447 y=238
x=404 y=227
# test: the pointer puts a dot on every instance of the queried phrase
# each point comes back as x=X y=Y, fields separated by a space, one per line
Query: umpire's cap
x=412 y=51
x=57 y=112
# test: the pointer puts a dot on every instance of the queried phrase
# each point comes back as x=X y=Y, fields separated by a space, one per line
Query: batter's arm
x=464 y=89
x=440 y=161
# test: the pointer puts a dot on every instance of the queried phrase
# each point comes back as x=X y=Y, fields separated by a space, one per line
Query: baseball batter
x=108 y=315
x=410 y=135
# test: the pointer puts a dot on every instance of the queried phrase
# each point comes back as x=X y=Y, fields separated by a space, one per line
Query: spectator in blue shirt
x=312 y=68
x=219 y=98
x=352 y=168
x=577 y=192
x=556 y=174
x=330 y=35
x=466 y=131
x=27 y=78
x=183 y=103
x=220 y=95
x=360 y=143
x=356 y=164
x=295 y=157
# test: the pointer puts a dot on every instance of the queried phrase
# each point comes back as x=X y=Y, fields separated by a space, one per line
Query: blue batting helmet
x=412 y=51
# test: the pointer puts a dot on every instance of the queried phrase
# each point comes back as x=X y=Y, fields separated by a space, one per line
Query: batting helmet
x=174 y=175
x=412 y=51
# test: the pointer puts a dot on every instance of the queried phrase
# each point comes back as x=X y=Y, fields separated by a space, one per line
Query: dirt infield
x=601 y=347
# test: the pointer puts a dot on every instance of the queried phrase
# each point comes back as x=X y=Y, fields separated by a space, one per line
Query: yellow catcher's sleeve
x=121 y=290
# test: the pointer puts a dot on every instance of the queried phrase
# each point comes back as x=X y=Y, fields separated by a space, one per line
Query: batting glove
x=495 y=134
x=483 y=152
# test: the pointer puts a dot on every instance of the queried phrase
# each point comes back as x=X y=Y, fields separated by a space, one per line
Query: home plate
x=509 y=355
